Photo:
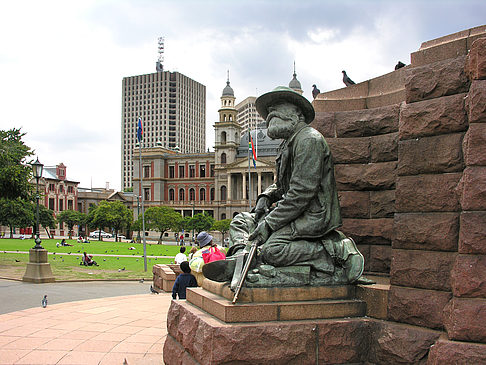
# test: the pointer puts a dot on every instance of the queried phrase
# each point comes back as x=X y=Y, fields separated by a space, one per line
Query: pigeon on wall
x=315 y=91
x=400 y=64
x=347 y=81
x=44 y=301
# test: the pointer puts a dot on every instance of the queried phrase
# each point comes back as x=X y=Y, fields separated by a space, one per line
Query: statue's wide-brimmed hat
x=284 y=94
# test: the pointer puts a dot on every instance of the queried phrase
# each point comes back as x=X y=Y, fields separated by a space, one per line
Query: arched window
x=223 y=216
x=230 y=118
x=223 y=193
x=202 y=194
x=192 y=194
x=224 y=117
x=223 y=158
x=171 y=194
x=211 y=194
x=236 y=137
x=181 y=194
x=223 y=137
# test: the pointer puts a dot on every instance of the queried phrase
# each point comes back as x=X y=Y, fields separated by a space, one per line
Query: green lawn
x=65 y=262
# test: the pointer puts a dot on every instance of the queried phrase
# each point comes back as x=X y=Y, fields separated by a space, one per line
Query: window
x=181 y=194
x=192 y=171
x=70 y=189
x=51 y=203
x=146 y=193
x=223 y=192
x=171 y=194
x=223 y=158
x=202 y=194
x=211 y=170
x=52 y=187
x=70 y=205
x=202 y=171
x=61 y=188
x=181 y=171
x=61 y=205
x=146 y=171
x=211 y=194
x=192 y=194
x=223 y=216
x=171 y=172
x=223 y=137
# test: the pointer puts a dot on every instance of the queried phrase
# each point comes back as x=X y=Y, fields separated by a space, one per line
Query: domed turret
x=295 y=84
x=228 y=90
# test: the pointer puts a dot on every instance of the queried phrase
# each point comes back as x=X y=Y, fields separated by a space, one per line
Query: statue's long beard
x=281 y=129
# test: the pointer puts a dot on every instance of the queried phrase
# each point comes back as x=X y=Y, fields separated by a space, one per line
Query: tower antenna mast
x=160 y=58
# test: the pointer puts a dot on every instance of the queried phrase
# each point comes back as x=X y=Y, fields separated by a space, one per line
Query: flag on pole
x=251 y=147
x=139 y=129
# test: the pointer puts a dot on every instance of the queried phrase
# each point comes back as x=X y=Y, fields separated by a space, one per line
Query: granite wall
x=412 y=183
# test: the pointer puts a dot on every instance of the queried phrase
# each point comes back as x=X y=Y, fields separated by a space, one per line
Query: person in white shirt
x=181 y=256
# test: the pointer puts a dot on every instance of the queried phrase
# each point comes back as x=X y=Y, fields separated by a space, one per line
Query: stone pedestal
x=38 y=268
x=305 y=325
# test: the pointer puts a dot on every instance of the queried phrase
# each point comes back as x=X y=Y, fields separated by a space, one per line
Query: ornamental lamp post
x=38 y=269
x=37 y=168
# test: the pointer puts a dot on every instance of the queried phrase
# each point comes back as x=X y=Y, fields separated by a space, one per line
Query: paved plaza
x=84 y=323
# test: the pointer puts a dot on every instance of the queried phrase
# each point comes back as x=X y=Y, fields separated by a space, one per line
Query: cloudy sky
x=62 y=62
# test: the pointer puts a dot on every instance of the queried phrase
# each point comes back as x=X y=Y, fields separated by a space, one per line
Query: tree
x=15 y=172
x=15 y=213
x=222 y=226
x=114 y=215
x=97 y=217
x=119 y=216
x=201 y=222
x=71 y=218
x=46 y=218
x=162 y=219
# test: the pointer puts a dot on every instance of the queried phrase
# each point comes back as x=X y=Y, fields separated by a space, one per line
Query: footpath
x=83 y=323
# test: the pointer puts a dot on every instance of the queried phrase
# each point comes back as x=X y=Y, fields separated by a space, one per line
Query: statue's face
x=282 y=119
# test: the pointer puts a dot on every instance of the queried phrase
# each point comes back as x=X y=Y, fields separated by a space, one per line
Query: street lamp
x=37 y=168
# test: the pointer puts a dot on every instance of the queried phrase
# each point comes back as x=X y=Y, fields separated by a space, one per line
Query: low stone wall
x=164 y=276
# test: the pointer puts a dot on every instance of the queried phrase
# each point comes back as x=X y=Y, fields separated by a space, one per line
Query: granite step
x=225 y=311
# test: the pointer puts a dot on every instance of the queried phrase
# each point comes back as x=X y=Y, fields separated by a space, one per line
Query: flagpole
x=139 y=136
x=249 y=170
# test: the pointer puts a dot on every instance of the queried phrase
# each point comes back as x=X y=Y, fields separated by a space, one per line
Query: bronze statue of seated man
x=295 y=220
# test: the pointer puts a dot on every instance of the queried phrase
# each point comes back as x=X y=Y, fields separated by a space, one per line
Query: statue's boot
x=354 y=264
x=222 y=270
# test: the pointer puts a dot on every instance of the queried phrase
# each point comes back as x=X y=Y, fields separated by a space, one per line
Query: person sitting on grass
x=63 y=243
x=183 y=281
x=88 y=260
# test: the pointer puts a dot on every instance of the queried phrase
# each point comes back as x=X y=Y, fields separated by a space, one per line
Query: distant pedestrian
x=181 y=256
x=183 y=281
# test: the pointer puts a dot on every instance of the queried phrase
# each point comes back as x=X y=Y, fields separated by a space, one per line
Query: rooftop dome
x=228 y=90
x=294 y=83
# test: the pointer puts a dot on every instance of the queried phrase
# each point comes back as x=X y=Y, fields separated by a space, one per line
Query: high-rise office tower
x=248 y=117
x=173 y=111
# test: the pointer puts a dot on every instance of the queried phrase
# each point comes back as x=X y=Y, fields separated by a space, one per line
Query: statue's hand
x=261 y=233
x=262 y=208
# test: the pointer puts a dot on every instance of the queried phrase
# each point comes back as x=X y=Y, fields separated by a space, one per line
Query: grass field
x=65 y=260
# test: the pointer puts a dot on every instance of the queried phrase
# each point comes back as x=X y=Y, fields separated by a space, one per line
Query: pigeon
x=315 y=91
x=152 y=290
x=347 y=81
x=400 y=64
x=123 y=269
x=44 y=301
x=141 y=281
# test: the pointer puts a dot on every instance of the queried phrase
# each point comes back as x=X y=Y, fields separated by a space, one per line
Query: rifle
x=246 y=267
